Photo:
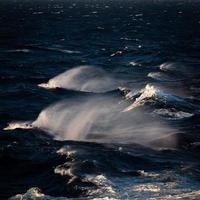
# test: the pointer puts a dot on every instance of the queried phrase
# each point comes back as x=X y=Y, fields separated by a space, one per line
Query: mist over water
x=101 y=120
x=99 y=99
x=83 y=78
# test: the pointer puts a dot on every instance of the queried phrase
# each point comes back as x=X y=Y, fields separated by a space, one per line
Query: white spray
x=83 y=78
x=99 y=119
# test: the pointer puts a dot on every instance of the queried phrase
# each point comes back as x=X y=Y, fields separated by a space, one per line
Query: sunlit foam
x=148 y=92
x=83 y=78
x=63 y=170
x=19 y=125
x=173 y=114
x=168 y=66
x=146 y=188
x=66 y=151
x=151 y=93
x=158 y=76
x=105 y=186
x=98 y=119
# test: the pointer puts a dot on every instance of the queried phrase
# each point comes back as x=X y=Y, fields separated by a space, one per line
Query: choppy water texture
x=99 y=99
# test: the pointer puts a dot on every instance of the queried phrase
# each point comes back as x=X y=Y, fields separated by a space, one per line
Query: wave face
x=152 y=95
x=99 y=99
x=97 y=119
x=83 y=78
x=148 y=92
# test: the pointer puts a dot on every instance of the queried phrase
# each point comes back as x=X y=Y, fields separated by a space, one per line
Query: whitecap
x=66 y=151
x=35 y=193
x=148 y=174
x=166 y=66
x=97 y=119
x=105 y=186
x=148 y=92
x=132 y=63
x=172 y=113
x=20 y=125
x=117 y=53
x=170 y=66
x=82 y=78
x=151 y=93
x=146 y=188
x=158 y=76
x=63 y=170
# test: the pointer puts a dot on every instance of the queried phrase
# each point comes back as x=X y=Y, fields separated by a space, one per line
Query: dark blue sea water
x=99 y=99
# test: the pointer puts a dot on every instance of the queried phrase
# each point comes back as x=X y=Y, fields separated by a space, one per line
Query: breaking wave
x=20 y=125
x=82 y=78
x=169 y=72
x=35 y=193
x=159 y=76
x=97 y=119
x=140 y=97
x=168 y=66
x=173 y=67
x=151 y=94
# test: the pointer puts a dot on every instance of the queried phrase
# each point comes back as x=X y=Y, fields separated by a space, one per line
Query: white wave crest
x=169 y=66
x=69 y=122
x=98 y=119
x=166 y=66
x=151 y=93
x=173 y=114
x=105 y=187
x=132 y=63
x=66 y=151
x=148 y=92
x=159 y=76
x=20 y=125
x=83 y=78
x=35 y=194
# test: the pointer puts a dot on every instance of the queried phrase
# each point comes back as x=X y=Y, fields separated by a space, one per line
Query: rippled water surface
x=99 y=99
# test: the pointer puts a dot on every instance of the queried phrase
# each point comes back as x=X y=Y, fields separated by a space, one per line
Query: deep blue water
x=99 y=99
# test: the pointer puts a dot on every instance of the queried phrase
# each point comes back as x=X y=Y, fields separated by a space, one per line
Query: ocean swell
x=83 y=78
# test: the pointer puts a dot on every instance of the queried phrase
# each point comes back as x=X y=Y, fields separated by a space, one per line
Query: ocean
x=99 y=99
